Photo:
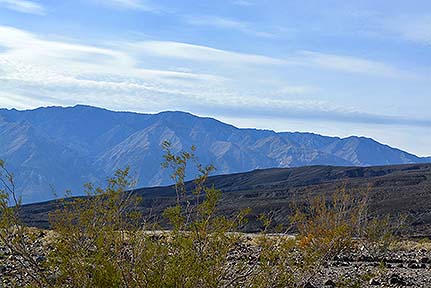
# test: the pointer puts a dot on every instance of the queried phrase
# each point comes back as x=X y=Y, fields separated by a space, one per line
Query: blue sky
x=331 y=67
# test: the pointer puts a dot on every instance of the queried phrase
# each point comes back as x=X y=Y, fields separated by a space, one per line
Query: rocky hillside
x=403 y=190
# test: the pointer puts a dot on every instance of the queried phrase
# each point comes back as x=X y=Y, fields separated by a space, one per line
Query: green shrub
x=104 y=240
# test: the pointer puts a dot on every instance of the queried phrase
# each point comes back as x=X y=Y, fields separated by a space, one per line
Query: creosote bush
x=105 y=240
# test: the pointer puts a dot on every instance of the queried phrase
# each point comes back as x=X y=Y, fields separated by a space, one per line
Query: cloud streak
x=24 y=6
x=411 y=28
x=229 y=24
x=170 y=49
x=326 y=61
x=312 y=111
x=351 y=64
x=142 y=5
x=243 y=3
x=35 y=70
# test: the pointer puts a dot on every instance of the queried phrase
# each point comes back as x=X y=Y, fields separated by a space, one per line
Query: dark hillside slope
x=396 y=190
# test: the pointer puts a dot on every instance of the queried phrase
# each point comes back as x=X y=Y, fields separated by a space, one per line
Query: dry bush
x=15 y=237
x=104 y=240
x=324 y=228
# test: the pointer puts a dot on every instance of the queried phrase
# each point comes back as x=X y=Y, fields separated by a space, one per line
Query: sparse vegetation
x=104 y=240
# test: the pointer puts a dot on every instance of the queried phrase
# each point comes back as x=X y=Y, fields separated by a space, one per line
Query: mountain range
x=54 y=149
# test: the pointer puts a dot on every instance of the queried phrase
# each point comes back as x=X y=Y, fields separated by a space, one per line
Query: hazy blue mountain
x=59 y=148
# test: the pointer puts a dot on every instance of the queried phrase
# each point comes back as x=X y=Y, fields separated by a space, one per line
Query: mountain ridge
x=64 y=147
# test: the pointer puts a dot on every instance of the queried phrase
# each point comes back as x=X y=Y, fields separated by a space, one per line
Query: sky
x=336 y=68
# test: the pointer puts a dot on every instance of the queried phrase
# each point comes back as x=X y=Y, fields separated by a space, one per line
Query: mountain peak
x=69 y=146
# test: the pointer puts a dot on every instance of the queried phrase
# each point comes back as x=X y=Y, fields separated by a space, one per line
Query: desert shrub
x=105 y=240
x=200 y=240
x=379 y=235
x=15 y=237
x=95 y=236
x=324 y=228
x=328 y=226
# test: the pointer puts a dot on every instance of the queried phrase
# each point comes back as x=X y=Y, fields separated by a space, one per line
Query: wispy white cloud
x=243 y=2
x=12 y=100
x=313 y=110
x=67 y=73
x=36 y=70
x=295 y=90
x=415 y=28
x=193 y=52
x=216 y=22
x=24 y=6
x=351 y=64
x=226 y=23
x=316 y=60
x=144 y=5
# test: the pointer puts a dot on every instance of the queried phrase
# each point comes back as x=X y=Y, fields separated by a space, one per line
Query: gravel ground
x=407 y=266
